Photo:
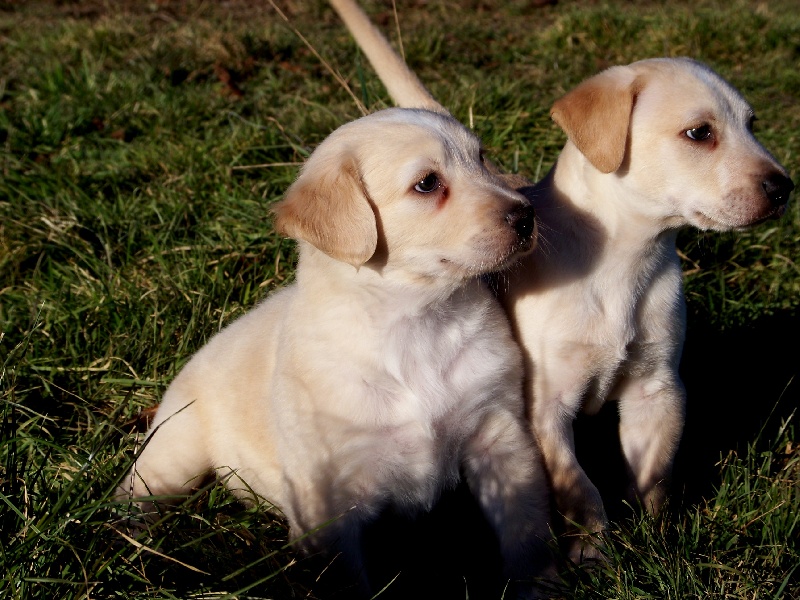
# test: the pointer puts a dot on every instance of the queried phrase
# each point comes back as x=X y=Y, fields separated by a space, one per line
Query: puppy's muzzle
x=523 y=219
x=777 y=187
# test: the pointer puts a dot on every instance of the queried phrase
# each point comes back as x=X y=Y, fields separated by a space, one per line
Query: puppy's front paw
x=585 y=548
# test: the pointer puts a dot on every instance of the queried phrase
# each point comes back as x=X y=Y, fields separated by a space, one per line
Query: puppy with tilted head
x=386 y=370
x=653 y=147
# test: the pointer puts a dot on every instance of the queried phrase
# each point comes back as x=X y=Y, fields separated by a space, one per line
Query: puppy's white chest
x=443 y=365
x=437 y=375
x=632 y=337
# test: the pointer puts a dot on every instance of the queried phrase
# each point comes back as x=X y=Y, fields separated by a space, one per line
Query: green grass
x=141 y=145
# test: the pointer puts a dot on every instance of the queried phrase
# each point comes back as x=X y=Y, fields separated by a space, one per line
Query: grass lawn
x=141 y=145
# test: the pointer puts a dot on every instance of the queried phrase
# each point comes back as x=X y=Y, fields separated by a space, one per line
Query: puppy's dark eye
x=429 y=183
x=699 y=134
x=751 y=123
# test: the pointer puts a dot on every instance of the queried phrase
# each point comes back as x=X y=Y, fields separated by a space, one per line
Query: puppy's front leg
x=321 y=522
x=651 y=422
x=504 y=471
x=577 y=498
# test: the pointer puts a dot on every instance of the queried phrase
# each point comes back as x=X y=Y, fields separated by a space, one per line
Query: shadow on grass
x=447 y=553
x=739 y=383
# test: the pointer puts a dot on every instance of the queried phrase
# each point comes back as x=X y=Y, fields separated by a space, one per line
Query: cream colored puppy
x=653 y=147
x=386 y=368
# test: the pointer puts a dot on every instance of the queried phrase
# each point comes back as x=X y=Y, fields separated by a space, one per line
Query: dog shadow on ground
x=741 y=386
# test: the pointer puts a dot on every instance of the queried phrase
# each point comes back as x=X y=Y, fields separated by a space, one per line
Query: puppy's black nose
x=522 y=219
x=777 y=188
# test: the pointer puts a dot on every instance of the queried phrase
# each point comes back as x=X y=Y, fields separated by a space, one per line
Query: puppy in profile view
x=653 y=147
x=386 y=370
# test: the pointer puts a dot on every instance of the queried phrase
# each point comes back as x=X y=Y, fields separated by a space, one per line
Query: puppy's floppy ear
x=596 y=116
x=328 y=207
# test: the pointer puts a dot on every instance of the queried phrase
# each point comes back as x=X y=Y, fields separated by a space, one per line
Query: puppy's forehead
x=406 y=129
x=693 y=91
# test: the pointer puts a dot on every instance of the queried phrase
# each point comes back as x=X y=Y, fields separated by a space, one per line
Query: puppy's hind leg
x=173 y=459
x=651 y=423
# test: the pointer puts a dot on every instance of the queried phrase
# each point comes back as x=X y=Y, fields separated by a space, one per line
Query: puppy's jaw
x=507 y=228
x=736 y=221
x=475 y=233
x=732 y=196
x=519 y=246
x=751 y=192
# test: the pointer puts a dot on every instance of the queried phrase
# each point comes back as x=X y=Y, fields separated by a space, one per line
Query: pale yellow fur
x=599 y=309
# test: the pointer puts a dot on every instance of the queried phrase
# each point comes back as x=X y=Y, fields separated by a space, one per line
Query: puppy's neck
x=386 y=289
x=589 y=231
x=626 y=215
